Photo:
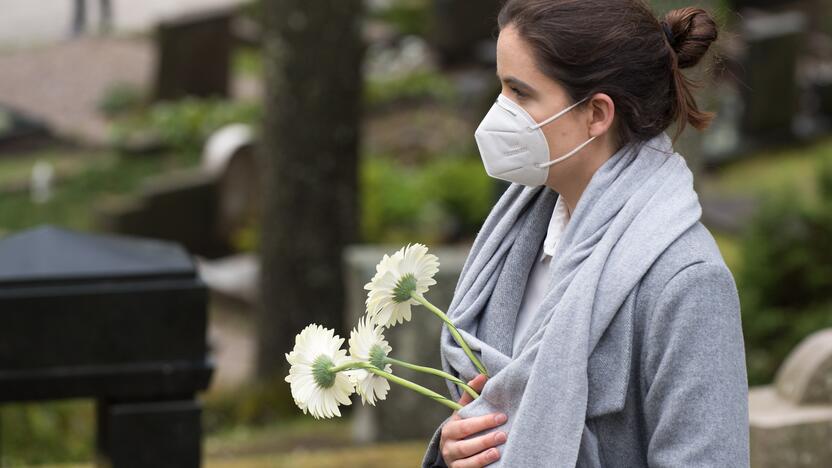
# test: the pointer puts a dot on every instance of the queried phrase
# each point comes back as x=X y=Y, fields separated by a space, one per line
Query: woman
x=600 y=305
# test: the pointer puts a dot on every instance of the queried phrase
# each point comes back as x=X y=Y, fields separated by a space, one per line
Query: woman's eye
x=518 y=93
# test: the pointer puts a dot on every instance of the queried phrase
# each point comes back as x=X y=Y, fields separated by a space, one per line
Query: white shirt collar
x=557 y=224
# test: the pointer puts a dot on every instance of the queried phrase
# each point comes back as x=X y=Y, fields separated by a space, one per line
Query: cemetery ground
x=255 y=425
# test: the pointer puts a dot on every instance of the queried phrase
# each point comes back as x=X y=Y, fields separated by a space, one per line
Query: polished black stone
x=118 y=319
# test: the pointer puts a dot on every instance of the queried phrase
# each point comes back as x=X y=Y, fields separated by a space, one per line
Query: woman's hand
x=478 y=451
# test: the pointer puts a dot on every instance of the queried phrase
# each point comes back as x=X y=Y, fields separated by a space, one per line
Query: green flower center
x=321 y=373
x=377 y=356
x=405 y=286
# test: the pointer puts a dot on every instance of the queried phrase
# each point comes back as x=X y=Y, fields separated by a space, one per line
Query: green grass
x=17 y=170
x=36 y=433
x=390 y=455
x=770 y=171
x=83 y=180
x=729 y=246
x=286 y=435
x=767 y=173
x=299 y=442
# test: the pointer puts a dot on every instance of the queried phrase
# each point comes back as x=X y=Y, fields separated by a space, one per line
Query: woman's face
x=541 y=97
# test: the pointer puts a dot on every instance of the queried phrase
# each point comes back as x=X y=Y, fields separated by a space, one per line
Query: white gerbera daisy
x=314 y=386
x=409 y=269
x=367 y=344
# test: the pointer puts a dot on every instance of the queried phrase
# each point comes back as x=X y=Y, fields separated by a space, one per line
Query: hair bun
x=692 y=30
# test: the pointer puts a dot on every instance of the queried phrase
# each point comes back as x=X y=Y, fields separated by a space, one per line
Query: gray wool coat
x=686 y=399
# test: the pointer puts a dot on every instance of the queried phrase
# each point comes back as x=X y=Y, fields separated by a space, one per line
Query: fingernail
x=500 y=418
x=501 y=437
x=494 y=454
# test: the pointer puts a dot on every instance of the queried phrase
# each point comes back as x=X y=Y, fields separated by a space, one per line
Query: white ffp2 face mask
x=512 y=145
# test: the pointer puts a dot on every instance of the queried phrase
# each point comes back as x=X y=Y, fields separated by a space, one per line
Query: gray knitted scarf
x=637 y=203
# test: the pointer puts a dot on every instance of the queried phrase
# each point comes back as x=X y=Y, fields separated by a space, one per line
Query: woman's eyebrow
x=510 y=80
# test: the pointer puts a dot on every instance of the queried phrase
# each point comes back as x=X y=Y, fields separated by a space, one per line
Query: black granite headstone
x=121 y=320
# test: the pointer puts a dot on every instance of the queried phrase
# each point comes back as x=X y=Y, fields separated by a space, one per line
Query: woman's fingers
x=461 y=449
x=462 y=428
x=479 y=460
x=476 y=383
x=479 y=451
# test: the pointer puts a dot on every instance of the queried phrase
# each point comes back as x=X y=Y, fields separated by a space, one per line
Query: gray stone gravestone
x=229 y=156
x=203 y=208
x=416 y=341
x=791 y=420
x=178 y=206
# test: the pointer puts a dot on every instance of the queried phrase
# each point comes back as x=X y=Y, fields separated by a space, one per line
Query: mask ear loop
x=550 y=119
x=567 y=155
x=574 y=151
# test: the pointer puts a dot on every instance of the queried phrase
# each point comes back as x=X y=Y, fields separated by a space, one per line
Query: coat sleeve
x=433 y=456
x=695 y=380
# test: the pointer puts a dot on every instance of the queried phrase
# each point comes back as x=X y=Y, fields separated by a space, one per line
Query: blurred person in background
x=79 y=19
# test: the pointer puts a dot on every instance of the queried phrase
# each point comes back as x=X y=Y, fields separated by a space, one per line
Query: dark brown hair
x=620 y=48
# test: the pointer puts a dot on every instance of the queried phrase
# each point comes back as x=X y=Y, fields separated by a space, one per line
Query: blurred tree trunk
x=312 y=54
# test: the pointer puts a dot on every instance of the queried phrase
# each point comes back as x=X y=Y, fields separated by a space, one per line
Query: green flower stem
x=347 y=366
x=398 y=380
x=431 y=370
x=416 y=387
x=452 y=329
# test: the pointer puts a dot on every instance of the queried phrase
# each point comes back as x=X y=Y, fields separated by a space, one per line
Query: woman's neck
x=571 y=183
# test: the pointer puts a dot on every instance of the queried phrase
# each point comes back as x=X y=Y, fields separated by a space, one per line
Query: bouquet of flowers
x=323 y=376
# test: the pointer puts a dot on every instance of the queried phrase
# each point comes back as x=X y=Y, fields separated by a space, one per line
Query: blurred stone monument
x=205 y=208
x=464 y=30
x=824 y=17
x=194 y=55
x=229 y=157
x=19 y=131
x=768 y=4
x=663 y=6
x=405 y=414
x=177 y=206
x=791 y=420
x=770 y=92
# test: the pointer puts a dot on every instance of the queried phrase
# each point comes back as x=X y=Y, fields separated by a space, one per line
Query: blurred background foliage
x=784 y=277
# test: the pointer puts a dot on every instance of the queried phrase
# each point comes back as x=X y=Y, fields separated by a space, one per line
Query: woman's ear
x=601 y=114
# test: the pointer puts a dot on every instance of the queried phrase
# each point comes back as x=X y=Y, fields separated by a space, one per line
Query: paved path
x=63 y=83
x=32 y=22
